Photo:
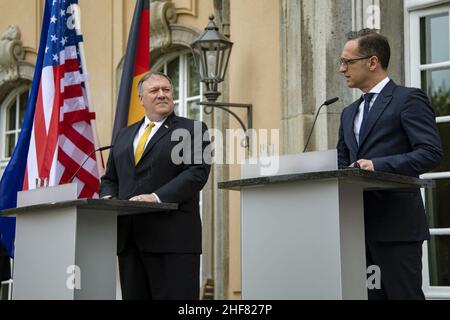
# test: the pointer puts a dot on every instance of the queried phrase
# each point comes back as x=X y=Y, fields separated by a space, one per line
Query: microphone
x=331 y=101
x=87 y=158
x=326 y=103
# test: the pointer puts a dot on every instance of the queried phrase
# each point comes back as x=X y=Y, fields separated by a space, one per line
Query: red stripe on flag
x=83 y=175
x=74 y=91
x=66 y=176
x=142 y=63
x=25 y=180
x=71 y=65
x=40 y=132
x=86 y=192
x=52 y=136
x=78 y=116
x=77 y=139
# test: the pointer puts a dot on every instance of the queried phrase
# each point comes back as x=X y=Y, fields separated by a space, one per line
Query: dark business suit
x=5 y=264
x=166 y=233
x=401 y=137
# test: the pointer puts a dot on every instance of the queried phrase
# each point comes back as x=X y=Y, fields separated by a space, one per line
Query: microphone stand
x=87 y=158
x=326 y=103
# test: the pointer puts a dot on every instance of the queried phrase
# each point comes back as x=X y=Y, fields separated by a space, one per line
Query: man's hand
x=144 y=197
x=366 y=164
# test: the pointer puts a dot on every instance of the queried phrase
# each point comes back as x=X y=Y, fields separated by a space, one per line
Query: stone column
x=313 y=33
x=393 y=27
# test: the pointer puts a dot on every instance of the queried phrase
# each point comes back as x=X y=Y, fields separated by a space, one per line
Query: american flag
x=62 y=134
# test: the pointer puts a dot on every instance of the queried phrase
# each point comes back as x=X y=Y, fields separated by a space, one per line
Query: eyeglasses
x=346 y=62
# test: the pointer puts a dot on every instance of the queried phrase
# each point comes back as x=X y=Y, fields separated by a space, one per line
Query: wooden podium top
x=122 y=207
x=369 y=180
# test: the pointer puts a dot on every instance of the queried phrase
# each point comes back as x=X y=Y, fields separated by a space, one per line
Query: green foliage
x=440 y=100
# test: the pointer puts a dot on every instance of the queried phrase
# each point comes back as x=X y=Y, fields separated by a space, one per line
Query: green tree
x=440 y=100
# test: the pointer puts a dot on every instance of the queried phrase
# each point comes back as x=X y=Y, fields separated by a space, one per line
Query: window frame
x=414 y=11
x=183 y=99
x=414 y=17
x=14 y=95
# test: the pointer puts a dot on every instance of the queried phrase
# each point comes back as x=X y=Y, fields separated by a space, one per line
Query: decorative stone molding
x=162 y=14
x=11 y=54
x=188 y=7
x=183 y=36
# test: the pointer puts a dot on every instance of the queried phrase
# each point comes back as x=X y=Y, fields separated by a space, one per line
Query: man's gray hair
x=149 y=75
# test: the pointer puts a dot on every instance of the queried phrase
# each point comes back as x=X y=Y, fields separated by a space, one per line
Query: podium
x=302 y=234
x=66 y=249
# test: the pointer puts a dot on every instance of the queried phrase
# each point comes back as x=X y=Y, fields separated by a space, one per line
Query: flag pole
x=76 y=13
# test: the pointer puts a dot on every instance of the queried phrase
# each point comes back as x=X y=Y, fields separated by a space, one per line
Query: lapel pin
x=166 y=126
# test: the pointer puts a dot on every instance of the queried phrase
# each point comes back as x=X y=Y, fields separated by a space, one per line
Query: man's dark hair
x=371 y=43
x=150 y=74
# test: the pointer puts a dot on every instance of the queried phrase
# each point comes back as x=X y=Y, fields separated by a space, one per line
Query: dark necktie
x=367 y=98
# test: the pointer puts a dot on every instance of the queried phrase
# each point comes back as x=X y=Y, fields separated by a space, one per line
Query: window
x=429 y=69
x=182 y=70
x=12 y=112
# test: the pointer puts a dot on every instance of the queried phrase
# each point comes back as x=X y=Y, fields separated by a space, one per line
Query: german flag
x=136 y=64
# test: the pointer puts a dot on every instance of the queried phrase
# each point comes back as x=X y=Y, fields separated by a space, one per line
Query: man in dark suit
x=159 y=159
x=391 y=129
x=5 y=264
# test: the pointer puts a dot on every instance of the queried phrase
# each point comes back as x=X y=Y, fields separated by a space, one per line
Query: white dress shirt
x=158 y=124
x=359 y=116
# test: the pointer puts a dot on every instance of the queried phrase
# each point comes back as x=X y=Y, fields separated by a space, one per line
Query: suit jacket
x=178 y=181
x=5 y=264
x=400 y=137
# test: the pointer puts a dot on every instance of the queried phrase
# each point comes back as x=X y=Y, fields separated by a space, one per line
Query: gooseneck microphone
x=331 y=101
x=87 y=158
x=326 y=103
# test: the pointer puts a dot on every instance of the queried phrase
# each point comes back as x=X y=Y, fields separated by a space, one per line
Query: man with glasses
x=390 y=128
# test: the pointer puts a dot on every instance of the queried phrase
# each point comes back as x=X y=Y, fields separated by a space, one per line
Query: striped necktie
x=141 y=143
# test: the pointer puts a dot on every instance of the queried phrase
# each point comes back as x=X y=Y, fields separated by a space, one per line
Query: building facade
x=284 y=62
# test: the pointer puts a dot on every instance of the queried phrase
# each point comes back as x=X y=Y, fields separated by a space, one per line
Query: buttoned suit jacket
x=400 y=136
x=173 y=167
